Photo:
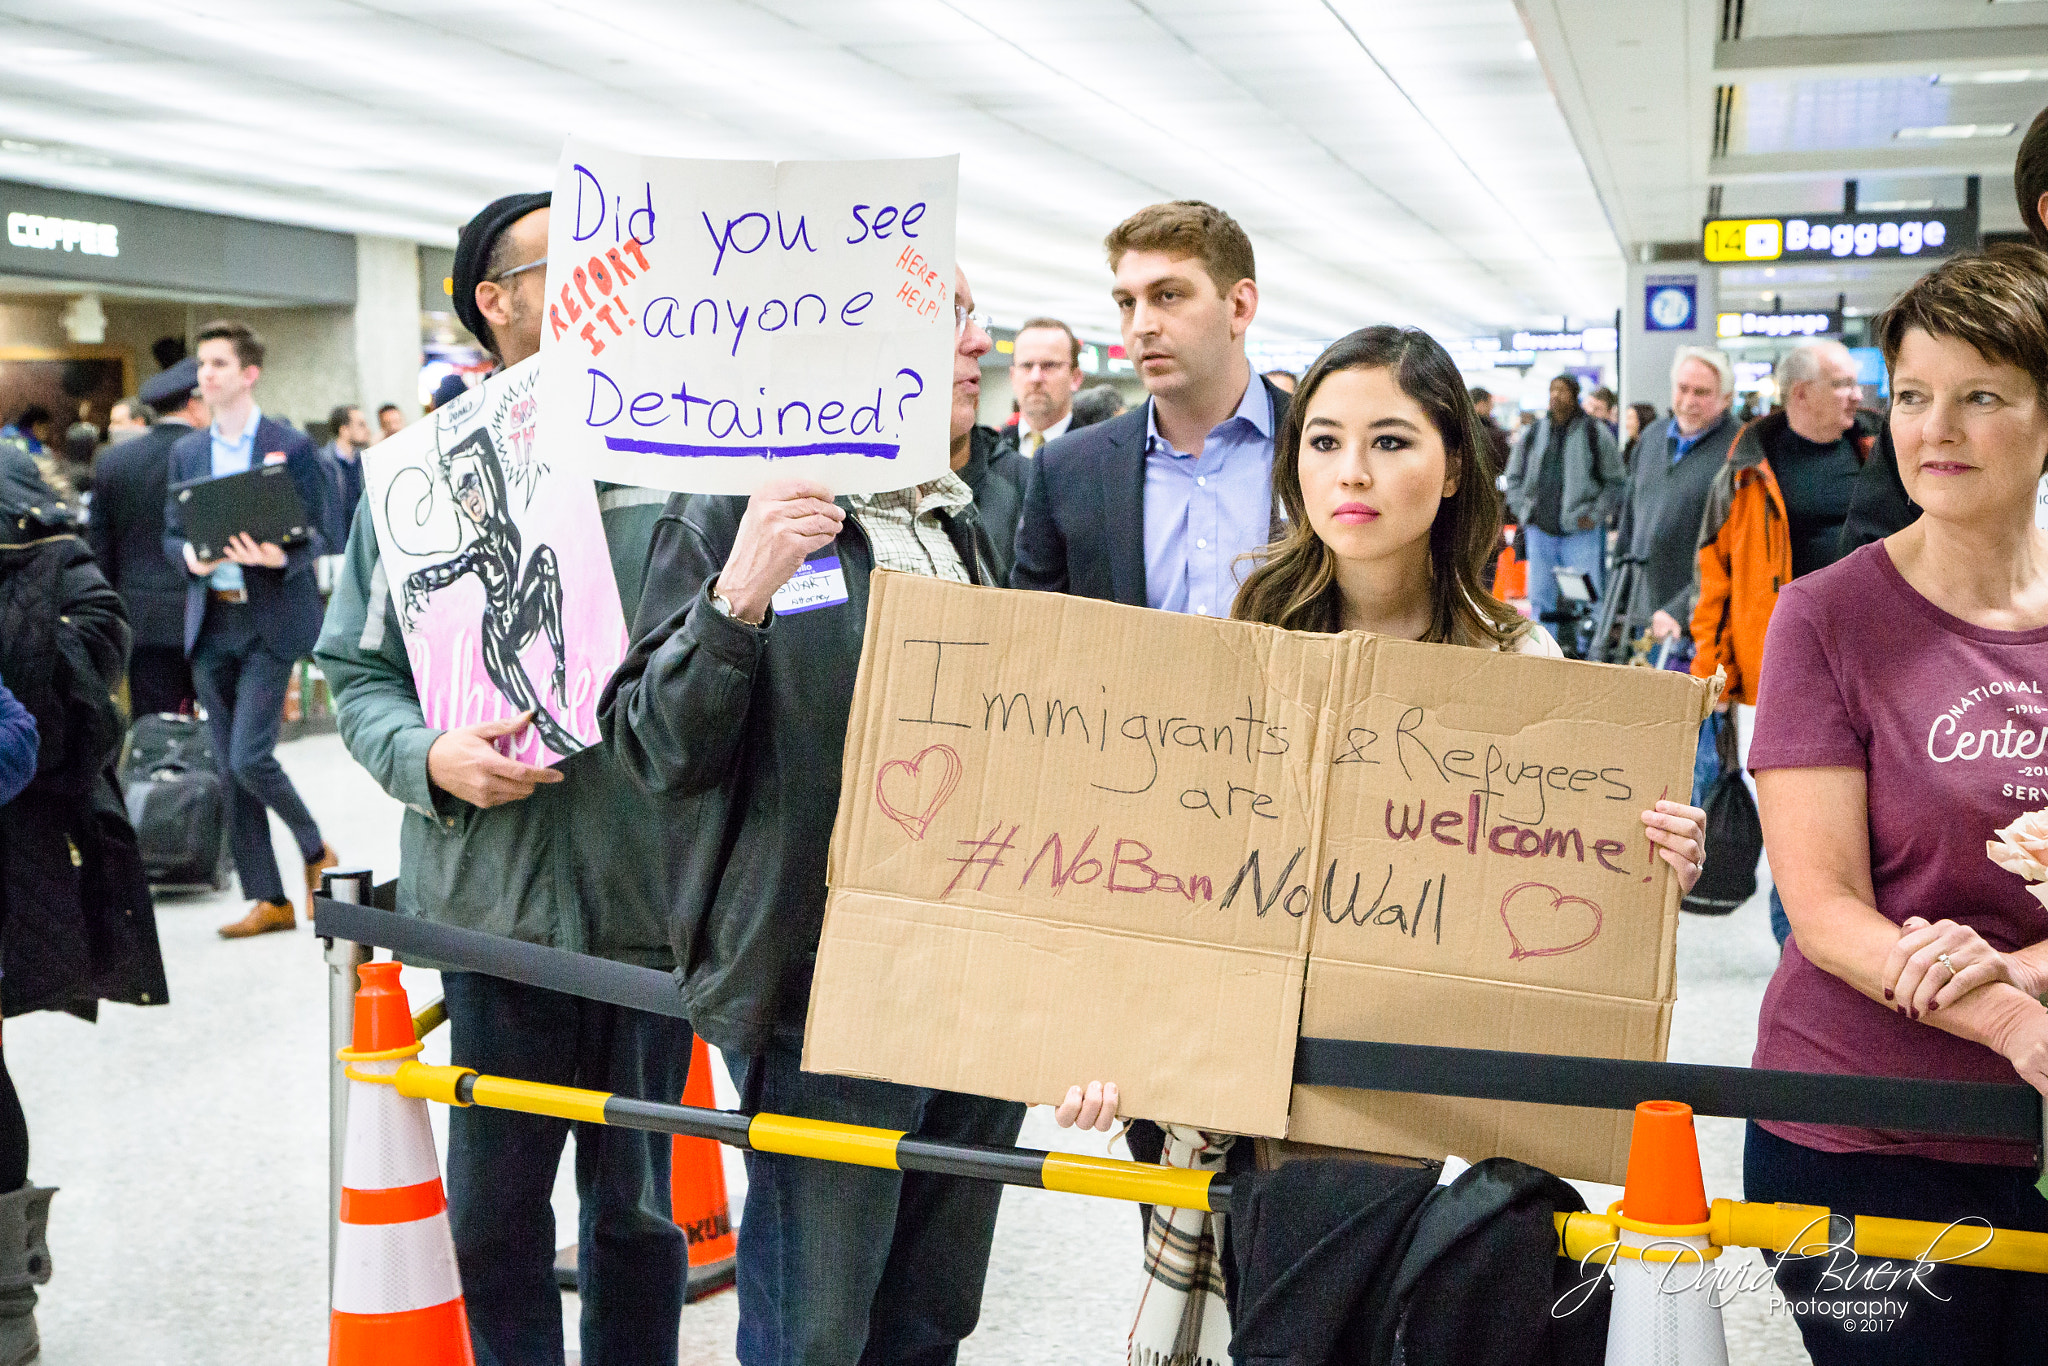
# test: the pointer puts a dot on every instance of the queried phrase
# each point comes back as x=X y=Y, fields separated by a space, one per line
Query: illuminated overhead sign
x=1906 y=234
x=42 y=233
x=1733 y=326
x=1520 y=349
x=1670 y=303
x=1485 y=353
x=1591 y=339
x=94 y=242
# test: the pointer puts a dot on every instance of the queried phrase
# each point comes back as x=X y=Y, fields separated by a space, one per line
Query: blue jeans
x=1956 y=1313
x=841 y=1265
x=631 y=1261
x=1706 y=759
x=1583 y=550
x=1781 y=926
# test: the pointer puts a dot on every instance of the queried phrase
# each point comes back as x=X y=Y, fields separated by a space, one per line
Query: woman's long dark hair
x=1295 y=582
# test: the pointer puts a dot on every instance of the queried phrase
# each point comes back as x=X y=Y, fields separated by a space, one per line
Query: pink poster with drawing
x=495 y=560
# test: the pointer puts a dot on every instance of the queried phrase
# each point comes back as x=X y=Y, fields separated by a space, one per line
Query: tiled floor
x=190 y=1145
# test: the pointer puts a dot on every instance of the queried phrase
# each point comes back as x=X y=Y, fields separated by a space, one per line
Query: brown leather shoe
x=314 y=867
x=263 y=917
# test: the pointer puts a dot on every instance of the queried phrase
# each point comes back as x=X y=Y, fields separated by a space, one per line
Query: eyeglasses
x=505 y=275
x=961 y=317
x=1050 y=367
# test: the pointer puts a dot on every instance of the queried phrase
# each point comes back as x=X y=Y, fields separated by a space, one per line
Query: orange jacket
x=1745 y=557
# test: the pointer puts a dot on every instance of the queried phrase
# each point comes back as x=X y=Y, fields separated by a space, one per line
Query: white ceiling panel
x=1391 y=160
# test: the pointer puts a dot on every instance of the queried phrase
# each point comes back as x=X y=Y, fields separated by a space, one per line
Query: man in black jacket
x=127 y=536
x=735 y=698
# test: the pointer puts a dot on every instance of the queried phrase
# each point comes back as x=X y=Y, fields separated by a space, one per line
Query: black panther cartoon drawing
x=517 y=605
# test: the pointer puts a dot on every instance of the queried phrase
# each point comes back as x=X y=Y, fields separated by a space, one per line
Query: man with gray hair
x=1675 y=465
x=1796 y=467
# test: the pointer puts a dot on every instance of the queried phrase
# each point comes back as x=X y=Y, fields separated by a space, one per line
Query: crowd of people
x=1860 y=581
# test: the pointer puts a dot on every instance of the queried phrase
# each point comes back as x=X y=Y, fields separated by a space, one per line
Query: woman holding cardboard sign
x=1901 y=725
x=1387 y=484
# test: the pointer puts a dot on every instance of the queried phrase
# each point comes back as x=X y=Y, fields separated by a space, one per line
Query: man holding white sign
x=735 y=697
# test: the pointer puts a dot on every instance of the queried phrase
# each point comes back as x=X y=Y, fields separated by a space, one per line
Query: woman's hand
x=1680 y=834
x=1094 y=1108
x=2026 y=1048
x=1937 y=965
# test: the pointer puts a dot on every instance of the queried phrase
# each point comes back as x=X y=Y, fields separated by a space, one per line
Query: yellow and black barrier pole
x=856 y=1144
x=1804 y=1229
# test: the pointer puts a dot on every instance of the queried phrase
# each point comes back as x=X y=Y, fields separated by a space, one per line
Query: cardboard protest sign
x=711 y=324
x=1077 y=840
x=495 y=559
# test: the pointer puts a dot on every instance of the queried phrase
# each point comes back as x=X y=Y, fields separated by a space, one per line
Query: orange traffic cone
x=696 y=1185
x=1665 y=1308
x=397 y=1299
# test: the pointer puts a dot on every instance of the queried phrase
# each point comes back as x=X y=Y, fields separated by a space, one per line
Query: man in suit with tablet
x=249 y=616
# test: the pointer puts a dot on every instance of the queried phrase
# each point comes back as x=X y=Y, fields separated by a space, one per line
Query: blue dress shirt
x=1681 y=444
x=233 y=457
x=1204 y=509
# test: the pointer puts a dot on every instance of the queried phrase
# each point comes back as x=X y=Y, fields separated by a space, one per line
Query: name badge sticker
x=816 y=583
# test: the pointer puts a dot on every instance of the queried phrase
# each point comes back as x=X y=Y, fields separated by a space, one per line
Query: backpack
x=1735 y=837
x=176 y=801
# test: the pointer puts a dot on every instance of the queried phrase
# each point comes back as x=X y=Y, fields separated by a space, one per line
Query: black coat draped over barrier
x=76 y=923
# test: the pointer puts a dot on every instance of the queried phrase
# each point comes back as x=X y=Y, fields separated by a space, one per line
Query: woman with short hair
x=1899 y=721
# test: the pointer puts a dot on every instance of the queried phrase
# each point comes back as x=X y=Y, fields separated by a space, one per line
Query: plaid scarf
x=1182 y=1319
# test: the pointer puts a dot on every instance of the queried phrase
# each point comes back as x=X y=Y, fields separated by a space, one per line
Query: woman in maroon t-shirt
x=1901 y=721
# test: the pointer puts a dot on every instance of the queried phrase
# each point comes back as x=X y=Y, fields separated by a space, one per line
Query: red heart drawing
x=948 y=778
x=1540 y=924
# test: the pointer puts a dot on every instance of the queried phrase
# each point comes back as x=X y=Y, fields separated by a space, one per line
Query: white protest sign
x=713 y=324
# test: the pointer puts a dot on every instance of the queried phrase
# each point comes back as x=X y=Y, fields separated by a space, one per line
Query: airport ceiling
x=1400 y=161
x=1460 y=164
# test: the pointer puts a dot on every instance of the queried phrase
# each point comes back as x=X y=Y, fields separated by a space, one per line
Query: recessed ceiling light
x=1946 y=132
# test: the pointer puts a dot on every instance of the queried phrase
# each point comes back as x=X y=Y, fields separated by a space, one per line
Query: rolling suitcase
x=172 y=788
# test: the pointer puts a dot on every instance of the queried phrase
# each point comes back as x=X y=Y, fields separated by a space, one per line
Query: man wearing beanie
x=569 y=856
